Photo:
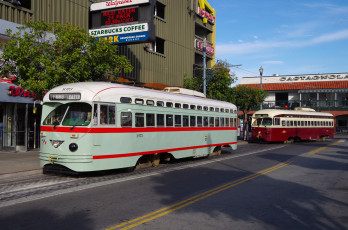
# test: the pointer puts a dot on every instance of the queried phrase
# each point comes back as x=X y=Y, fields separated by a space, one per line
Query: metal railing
x=317 y=105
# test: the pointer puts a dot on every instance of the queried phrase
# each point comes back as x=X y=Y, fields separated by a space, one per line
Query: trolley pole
x=261 y=72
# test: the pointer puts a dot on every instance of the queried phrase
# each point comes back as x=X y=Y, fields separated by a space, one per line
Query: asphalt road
x=259 y=186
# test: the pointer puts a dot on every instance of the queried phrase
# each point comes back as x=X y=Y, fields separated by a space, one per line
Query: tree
x=218 y=81
x=44 y=55
x=246 y=98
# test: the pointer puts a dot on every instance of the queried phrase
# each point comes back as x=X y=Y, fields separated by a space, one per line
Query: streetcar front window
x=78 y=114
x=71 y=114
x=266 y=121
x=262 y=122
x=56 y=116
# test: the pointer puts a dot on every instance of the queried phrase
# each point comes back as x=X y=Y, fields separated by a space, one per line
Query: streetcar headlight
x=56 y=143
x=73 y=147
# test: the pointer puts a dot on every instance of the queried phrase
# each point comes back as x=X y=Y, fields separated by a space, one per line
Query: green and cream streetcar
x=95 y=126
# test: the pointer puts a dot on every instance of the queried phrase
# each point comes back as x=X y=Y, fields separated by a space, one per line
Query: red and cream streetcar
x=289 y=125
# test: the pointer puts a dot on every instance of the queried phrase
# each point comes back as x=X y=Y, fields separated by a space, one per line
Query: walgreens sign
x=115 y=4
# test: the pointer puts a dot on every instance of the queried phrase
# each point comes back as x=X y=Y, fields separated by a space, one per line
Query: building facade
x=181 y=27
x=322 y=92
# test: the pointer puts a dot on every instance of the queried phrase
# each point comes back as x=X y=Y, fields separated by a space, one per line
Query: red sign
x=199 y=45
x=205 y=14
x=119 y=16
x=19 y=92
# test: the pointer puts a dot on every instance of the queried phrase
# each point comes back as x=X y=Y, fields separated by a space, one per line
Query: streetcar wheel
x=322 y=139
x=155 y=160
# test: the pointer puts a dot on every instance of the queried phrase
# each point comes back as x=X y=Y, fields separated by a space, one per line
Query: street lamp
x=204 y=67
x=261 y=72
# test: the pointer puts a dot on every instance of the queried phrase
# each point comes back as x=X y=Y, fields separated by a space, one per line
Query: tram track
x=39 y=185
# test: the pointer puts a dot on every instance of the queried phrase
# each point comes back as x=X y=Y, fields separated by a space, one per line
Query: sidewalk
x=16 y=162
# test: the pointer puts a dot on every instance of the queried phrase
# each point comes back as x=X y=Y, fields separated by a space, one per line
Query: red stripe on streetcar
x=156 y=151
x=131 y=130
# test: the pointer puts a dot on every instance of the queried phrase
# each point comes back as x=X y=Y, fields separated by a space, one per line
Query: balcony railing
x=317 y=105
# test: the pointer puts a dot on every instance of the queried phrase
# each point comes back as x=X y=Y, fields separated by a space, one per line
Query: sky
x=285 y=37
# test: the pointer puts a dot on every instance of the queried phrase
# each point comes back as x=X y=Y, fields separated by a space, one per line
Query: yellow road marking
x=322 y=148
x=194 y=199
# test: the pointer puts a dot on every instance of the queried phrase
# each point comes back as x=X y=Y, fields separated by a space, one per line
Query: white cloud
x=273 y=62
x=259 y=46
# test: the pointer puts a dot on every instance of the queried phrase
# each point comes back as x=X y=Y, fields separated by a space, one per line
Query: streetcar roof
x=275 y=112
x=112 y=92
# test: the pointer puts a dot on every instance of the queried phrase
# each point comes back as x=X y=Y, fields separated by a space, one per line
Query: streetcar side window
x=169 y=120
x=222 y=123
x=107 y=115
x=205 y=121
x=283 y=123
x=217 y=124
x=199 y=121
x=126 y=119
x=150 y=120
x=177 y=105
x=95 y=114
x=139 y=101
x=160 y=120
x=231 y=122
x=185 y=106
x=160 y=103
x=276 y=121
x=211 y=121
x=227 y=122
x=192 y=121
x=169 y=104
x=185 y=121
x=177 y=120
x=139 y=120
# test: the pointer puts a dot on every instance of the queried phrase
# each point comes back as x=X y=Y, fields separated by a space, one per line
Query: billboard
x=123 y=21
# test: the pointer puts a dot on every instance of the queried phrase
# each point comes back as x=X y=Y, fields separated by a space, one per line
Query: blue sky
x=286 y=37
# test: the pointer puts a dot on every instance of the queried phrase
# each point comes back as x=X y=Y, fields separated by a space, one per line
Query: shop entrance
x=19 y=127
x=8 y=134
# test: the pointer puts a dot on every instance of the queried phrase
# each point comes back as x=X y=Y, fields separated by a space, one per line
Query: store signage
x=124 y=38
x=115 y=4
x=19 y=92
x=65 y=96
x=316 y=77
x=119 y=16
x=199 y=46
x=206 y=14
x=119 y=30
